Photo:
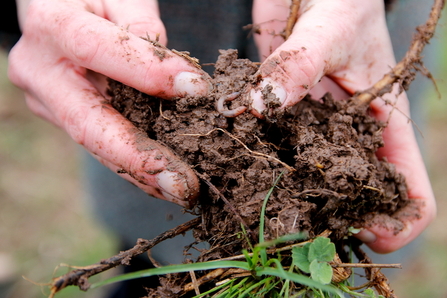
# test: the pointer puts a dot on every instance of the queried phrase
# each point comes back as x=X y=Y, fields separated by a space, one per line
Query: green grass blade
x=235 y=292
x=258 y=285
x=282 y=239
x=174 y=269
x=249 y=258
x=262 y=218
x=217 y=288
x=298 y=278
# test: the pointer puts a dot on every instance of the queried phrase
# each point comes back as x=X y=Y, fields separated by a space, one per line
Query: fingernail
x=189 y=83
x=406 y=231
x=366 y=236
x=172 y=186
x=258 y=95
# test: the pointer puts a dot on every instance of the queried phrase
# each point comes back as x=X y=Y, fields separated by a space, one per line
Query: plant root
x=292 y=19
x=377 y=279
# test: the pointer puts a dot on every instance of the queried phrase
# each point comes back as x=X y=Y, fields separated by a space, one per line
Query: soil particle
x=325 y=148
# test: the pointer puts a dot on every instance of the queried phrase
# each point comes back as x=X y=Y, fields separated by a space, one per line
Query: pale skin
x=69 y=46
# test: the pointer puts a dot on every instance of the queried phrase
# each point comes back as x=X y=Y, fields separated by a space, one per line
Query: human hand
x=65 y=47
x=345 y=46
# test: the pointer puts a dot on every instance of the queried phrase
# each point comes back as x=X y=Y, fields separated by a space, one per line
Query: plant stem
x=402 y=72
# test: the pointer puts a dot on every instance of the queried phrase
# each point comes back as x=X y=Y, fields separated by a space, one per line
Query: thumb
x=345 y=40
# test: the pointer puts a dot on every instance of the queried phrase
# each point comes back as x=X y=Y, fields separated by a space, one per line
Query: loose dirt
x=325 y=149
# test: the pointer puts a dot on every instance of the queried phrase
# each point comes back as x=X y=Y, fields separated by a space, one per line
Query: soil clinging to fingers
x=325 y=149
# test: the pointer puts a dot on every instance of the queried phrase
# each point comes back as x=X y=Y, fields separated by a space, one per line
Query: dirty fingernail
x=260 y=95
x=366 y=236
x=189 y=83
x=172 y=185
x=406 y=231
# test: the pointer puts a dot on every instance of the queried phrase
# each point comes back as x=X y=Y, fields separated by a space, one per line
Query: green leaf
x=300 y=257
x=320 y=272
x=248 y=259
x=371 y=294
x=322 y=249
x=263 y=252
x=298 y=278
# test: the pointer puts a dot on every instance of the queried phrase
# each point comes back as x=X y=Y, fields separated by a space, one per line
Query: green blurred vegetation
x=44 y=218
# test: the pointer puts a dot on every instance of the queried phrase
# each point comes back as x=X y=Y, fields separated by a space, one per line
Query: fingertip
x=257 y=103
x=268 y=94
x=189 y=83
x=366 y=236
x=178 y=188
x=385 y=240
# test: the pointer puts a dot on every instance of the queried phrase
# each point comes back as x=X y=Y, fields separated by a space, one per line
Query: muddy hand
x=65 y=47
x=346 y=41
x=341 y=47
x=402 y=150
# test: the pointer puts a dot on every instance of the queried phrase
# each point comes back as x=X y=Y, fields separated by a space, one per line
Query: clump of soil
x=325 y=149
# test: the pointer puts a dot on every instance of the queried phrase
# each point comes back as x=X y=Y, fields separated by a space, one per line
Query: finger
x=95 y=43
x=38 y=108
x=403 y=152
x=326 y=40
x=80 y=110
x=269 y=17
x=140 y=17
x=326 y=85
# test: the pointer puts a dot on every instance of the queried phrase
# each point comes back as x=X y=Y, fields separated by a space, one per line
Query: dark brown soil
x=324 y=148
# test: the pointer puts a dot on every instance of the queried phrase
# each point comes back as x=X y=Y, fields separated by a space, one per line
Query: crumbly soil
x=325 y=149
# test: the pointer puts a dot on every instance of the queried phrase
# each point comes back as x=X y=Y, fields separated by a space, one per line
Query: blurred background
x=45 y=220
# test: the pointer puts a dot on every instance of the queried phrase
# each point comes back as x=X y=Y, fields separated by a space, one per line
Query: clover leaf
x=314 y=258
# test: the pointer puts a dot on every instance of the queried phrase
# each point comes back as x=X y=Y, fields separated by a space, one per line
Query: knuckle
x=307 y=70
x=15 y=72
x=80 y=46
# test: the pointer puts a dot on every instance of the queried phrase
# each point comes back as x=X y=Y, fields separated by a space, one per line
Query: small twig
x=186 y=55
x=372 y=265
x=79 y=277
x=268 y=157
x=161 y=111
x=195 y=285
x=317 y=192
x=153 y=261
x=293 y=17
x=223 y=198
x=373 y=274
x=401 y=72
x=371 y=188
x=204 y=279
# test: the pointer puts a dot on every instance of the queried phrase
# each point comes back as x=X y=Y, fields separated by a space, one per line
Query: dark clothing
x=9 y=25
x=8 y=18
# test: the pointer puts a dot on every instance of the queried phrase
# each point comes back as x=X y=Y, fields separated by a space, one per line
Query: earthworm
x=229 y=113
